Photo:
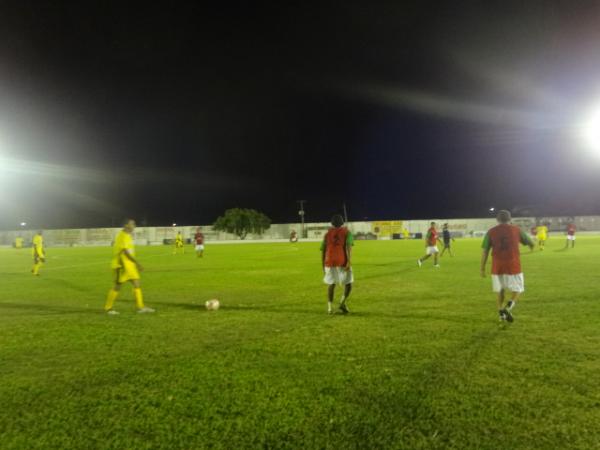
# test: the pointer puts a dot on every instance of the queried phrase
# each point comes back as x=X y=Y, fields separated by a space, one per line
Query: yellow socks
x=139 y=299
x=36 y=268
x=110 y=299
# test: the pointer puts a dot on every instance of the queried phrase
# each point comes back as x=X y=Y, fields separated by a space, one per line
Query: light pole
x=301 y=214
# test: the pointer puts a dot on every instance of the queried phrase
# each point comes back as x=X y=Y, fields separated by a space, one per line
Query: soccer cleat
x=344 y=309
x=145 y=310
x=502 y=315
x=508 y=315
x=436 y=266
x=419 y=262
x=112 y=312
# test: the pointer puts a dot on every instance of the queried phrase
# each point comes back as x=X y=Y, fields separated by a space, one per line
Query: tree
x=241 y=221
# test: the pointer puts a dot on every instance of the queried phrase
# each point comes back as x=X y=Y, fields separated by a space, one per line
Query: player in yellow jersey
x=178 y=243
x=38 y=253
x=18 y=242
x=125 y=268
x=542 y=236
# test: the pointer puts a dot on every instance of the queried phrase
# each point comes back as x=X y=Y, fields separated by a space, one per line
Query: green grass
x=422 y=361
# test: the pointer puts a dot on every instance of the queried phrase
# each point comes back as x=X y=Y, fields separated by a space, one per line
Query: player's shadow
x=179 y=305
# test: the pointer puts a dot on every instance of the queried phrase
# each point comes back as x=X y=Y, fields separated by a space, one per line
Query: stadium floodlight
x=174 y=224
x=591 y=131
x=492 y=209
x=23 y=224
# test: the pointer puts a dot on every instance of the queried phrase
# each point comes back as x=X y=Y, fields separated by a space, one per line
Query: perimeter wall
x=389 y=229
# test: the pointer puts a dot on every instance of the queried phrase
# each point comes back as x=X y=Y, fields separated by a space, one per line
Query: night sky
x=174 y=113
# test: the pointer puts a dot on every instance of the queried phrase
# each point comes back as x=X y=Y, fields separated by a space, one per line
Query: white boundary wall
x=280 y=232
x=473 y=227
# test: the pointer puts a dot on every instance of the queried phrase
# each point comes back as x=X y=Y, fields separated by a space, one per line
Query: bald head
x=503 y=216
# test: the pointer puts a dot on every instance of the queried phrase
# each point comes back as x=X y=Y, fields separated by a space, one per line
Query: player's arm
x=130 y=257
x=526 y=240
x=349 y=244
x=323 y=252
x=486 y=247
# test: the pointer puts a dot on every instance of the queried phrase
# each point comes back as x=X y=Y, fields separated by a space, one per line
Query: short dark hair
x=432 y=223
x=126 y=220
x=503 y=216
x=337 y=221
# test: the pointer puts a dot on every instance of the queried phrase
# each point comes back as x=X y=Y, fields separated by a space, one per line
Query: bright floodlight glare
x=174 y=224
x=591 y=131
x=492 y=209
x=23 y=224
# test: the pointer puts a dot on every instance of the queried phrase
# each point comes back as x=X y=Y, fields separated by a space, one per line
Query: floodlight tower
x=301 y=214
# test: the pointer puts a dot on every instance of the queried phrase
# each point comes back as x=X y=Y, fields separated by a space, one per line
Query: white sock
x=343 y=299
x=329 y=306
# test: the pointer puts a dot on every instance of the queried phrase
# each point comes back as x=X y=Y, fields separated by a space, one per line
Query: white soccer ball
x=212 y=305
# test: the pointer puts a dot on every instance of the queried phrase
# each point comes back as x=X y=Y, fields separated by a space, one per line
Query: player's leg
x=330 y=294
x=573 y=242
x=422 y=259
x=348 y=279
x=36 y=265
x=516 y=286
x=500 y=302
x=344 y=300
x=113 y=294
x=436 y=262
x=139 y=298
x=443 y=250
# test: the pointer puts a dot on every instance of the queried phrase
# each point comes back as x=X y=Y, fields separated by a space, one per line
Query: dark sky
x=400 y=109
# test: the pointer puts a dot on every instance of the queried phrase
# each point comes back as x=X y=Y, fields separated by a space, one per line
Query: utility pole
x=301 y=214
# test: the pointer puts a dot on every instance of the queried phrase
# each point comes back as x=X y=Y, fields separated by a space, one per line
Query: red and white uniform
x=432 y=238
x=335 y=245
x=199 y=239
x=504 y=240
x=571 y=229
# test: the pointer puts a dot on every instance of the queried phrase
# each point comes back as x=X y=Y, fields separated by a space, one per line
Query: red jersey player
x=503 y=240
x=199 y=239
x=336 y=256
x=431 y=240
x=571 y=229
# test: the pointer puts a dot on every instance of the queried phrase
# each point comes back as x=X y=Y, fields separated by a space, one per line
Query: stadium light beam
x=23 y=224
x=591 y=131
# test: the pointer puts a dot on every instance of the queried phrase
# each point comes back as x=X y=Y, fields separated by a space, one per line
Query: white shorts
x=512 y=283
x=432 y=250
x=199 y=247
x=570 y=237
x=338 y=275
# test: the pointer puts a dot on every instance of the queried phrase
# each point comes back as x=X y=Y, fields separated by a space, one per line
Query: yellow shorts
x=178 y=244
x=542 y=237
x=126 y=273
x=37 y=256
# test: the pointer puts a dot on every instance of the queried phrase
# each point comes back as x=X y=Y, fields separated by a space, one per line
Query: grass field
x=421 y=362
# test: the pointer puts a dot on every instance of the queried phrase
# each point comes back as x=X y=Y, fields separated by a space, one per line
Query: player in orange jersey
x=336 y=256
x=503 y=240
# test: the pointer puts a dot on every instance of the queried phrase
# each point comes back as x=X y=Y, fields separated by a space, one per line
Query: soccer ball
x=212 y=305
